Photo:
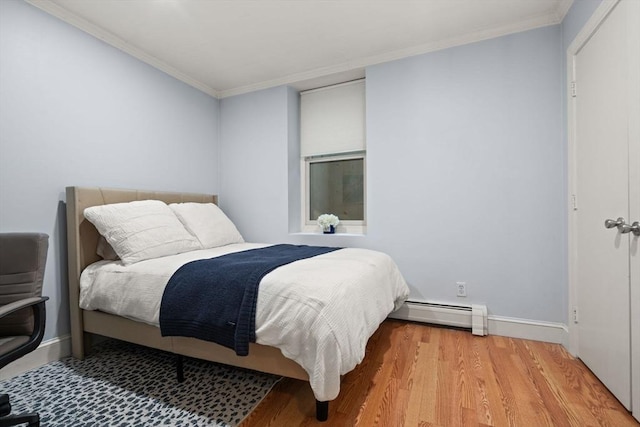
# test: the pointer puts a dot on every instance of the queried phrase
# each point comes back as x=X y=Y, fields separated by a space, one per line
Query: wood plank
x=419 y=375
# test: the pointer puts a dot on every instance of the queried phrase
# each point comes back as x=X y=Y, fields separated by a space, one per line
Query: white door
x=606 y=187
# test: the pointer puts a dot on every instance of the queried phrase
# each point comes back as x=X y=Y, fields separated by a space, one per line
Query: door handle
x=623 y=227
x=634 y=228
x=610 y=223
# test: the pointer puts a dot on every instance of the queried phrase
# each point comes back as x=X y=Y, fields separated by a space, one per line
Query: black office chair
x=22 y=307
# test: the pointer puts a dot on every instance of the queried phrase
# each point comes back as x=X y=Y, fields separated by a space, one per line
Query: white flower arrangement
x=327 y=220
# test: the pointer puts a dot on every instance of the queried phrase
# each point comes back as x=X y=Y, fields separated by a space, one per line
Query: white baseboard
x=434 y=313
x=534 y=330
x=47 y=352
x=472 y=316
x=440 y=314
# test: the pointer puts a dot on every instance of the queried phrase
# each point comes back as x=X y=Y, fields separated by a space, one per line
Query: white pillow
x=208 y=223
x=105 y=251
x=141 y=230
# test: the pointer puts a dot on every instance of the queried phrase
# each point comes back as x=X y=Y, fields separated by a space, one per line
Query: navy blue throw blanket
x=215 y=299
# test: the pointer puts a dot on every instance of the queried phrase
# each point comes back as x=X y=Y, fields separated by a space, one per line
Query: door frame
x=580 y=40
x=634 y=207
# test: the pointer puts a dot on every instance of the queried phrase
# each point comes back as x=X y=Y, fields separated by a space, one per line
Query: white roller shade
x=332 y=119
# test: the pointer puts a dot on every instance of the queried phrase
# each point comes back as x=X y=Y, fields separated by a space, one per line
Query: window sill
x=342 y=230
x=309 y=233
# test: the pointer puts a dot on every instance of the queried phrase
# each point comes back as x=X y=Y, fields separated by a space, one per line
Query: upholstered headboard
x=82 y=237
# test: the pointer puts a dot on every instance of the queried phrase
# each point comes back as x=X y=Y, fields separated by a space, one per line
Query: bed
x=317 y=360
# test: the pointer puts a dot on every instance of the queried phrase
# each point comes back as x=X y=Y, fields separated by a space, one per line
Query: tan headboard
x=82 y=237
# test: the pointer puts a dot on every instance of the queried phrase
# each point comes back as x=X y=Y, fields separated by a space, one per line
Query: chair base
x=5 y=405
x=8 y=420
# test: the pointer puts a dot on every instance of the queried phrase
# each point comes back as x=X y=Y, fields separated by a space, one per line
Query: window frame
x=345 y=226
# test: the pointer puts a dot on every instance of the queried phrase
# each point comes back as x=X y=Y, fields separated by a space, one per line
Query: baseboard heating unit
x=473 y=316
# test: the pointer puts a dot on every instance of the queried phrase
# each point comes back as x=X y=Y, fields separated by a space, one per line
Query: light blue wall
x=466 y=155
x=464 y=167
x=75 y=111
x=465 y=172
x=254 y=163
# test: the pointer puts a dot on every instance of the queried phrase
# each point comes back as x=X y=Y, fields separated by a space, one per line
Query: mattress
x=320 y=312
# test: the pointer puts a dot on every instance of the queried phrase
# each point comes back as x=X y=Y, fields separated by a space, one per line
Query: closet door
x=607 y=189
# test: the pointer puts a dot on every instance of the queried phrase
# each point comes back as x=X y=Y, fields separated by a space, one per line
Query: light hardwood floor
x=417 y=375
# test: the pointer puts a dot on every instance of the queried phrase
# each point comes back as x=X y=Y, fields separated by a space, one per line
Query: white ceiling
x=228 y=47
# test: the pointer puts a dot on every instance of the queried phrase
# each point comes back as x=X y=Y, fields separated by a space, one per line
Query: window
x=333 y=155
x=337 y=186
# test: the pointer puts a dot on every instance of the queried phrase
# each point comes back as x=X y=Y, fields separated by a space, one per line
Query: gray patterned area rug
x=122 y=384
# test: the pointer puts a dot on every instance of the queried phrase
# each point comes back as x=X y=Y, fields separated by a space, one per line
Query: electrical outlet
x=461 y=289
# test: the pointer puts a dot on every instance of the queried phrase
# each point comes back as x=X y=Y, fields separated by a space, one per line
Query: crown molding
x=115 y=41
x=563 y=8
x=552 y=18
x=361 y=63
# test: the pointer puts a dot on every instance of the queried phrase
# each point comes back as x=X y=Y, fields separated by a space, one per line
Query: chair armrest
x=17 y=305
x=39 y=308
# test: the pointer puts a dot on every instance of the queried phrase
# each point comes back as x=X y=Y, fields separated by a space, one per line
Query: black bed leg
x=322 y=410
x=179 y=368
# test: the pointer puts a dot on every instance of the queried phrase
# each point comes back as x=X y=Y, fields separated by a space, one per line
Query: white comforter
x=319 y=311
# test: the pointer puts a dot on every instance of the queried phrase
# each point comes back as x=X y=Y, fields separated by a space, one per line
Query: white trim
x=316 y=232
x=562 y=10
x=537 y=22
x=115 y=41
x=534 y=330
x=343 y=229
x=553 y=18
x=633 y=24
x=581 y=38
x=461 y=316
x=590 y=27
x=48 y=351
x=346 y=226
